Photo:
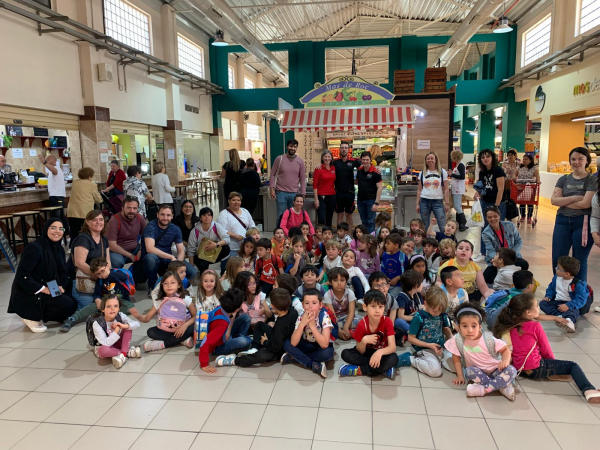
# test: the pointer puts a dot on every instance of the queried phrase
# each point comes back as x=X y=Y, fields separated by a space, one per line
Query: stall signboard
x=361 y=133
x=344 y=91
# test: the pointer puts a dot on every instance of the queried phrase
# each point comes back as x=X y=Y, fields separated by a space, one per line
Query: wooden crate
x=436 y=74
x=404 y=75
x=407 y=88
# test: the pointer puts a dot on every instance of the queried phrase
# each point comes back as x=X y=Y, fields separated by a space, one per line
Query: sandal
x=592 y=396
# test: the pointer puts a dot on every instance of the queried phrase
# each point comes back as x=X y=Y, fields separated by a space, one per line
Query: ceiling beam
x=359 y=67
x=318 y=2
x=439 y=19
x=379 y=15
x=312 y=24
x=343 y=28
x=462 y=65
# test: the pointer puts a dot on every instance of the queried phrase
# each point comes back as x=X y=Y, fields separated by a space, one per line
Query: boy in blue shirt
x=522 y=281
x=394 y=262
x=565 y=295
x=110 y=281
x=452 y=284
x=429 y=329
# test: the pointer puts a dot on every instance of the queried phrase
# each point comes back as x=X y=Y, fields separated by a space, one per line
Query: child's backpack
x=335 y=330
x=590 y=298
x=490 y=343
x=89 y=326
x=129 y=283
x=202 y=322
x=278 y=223
x=172 y=313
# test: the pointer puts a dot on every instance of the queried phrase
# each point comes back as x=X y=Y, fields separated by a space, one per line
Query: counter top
x=24 y=196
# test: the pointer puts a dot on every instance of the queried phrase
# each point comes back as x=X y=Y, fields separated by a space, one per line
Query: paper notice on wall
x=104 y=157
x=103 y=146
x=32 y=152
x=423 y=144
x=17 y=153
x=171 y=153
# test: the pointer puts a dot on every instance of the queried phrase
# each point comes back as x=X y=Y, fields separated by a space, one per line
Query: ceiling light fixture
x=219 y=41
x=503 y=26
x=579 y=119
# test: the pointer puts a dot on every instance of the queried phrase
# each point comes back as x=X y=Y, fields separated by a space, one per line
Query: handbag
x=512 y=210
x=84 y=283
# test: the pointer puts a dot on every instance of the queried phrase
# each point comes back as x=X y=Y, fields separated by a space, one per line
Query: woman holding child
x=43 y=267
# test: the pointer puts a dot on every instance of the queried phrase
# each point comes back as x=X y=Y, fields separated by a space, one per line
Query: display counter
x=25 y=199
x=406 y=204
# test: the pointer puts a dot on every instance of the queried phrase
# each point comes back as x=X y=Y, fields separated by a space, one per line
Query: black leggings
x=75 y=224
x=490 y=272
x=168 y=338
x=326 y=209
x=202 y=264
x=57 y=309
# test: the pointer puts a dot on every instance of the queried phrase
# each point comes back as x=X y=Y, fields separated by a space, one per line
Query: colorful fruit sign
x=347 y=90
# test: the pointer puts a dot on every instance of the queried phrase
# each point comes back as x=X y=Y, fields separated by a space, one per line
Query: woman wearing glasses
x=38 y=290
x=84 y=193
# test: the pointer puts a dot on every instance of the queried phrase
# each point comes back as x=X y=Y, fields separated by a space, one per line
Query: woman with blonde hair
x=458 y=176
x=231 y=172
x=433 y=191
x=161 y=186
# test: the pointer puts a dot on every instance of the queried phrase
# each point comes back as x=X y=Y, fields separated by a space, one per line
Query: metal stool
x=10 y=231
x=23 y=216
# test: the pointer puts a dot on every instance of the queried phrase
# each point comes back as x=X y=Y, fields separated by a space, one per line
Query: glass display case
x=388 y=177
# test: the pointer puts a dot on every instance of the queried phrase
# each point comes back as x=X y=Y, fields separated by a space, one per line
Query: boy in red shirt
x=268 y=266
x=225 y=333
x=375 y=351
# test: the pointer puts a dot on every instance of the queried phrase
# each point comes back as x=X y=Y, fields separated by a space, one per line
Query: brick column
x=94 y=128
x=174 y=141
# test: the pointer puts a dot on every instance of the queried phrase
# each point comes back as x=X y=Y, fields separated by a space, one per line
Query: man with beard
x=159 y=237
x=344 y=185
x=123 y=232
x=288 y=170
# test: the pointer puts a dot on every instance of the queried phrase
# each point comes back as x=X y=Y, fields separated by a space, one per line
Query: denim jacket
x=577 y=291
x=492 y=245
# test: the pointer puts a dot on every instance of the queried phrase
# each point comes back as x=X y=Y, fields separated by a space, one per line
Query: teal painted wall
x=487 y=130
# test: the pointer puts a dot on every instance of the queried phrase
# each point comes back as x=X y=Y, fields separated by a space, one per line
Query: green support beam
x=514 y=124
x=487 y=130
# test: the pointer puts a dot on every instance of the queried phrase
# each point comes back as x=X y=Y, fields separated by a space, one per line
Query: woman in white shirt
x=236 y=221
x=433 y=191
x=161 y=187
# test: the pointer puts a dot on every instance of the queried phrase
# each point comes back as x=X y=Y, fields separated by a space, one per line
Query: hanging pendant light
x=219 y=39
x=503 y=26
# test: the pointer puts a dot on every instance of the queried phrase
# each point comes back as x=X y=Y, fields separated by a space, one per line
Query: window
x=190 y=56
x=127 y=24
x=536 y=42
x=253 y=132
x=590 y=15
x=231 y=74
x=248 y=83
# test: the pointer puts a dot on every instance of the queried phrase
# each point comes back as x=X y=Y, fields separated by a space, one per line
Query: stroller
x=111 y=205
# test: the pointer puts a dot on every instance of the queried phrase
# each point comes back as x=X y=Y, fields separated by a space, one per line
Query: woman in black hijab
x=42 y=268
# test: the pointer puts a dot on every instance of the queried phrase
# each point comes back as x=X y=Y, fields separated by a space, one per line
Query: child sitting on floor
x=419 y=236
x=429 y=329
x=409 y=300
x=375 y=351
x=523 y=283
x=452 y=284
x=255 y=305
x=504 y=261
x=309 y=276
x=333 y=258
x=485 y=358
x=110 y=332
x=367 y=256
x=342 y=301
x=394 y=262
x=359 y=232
x=209 y=291
x=379 y=281
x=433 y=258
x=310 y=344
x=448 y=233
x=419 y=264
x=566 y=295
x=297 y=260
x=342 y=235
x=278 y=242
x=267 y=266
x=248 y=253
x=447 y=250
x=174 y=266
x=531 y=351
x=357 y=282
x=414 y=225
x=290 y=284
x=267 y=342
x=235 y=265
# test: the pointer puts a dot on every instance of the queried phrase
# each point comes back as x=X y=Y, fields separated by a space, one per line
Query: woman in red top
x=115 y=179
x=324 y=189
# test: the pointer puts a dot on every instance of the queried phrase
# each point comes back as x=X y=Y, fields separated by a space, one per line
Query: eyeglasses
x=381 y=285
x=558 y=269
x=58 y=229
x=251 y=284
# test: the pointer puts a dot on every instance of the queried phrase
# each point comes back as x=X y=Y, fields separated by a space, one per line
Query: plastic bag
x=476 y=219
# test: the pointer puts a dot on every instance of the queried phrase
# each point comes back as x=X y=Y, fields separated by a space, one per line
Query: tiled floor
x=55 y=395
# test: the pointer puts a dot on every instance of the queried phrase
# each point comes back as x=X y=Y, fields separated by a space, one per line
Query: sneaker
x=569 y=327
x=320 y=368
x=189 y=342
x=509 y=392
x=35 y=326
x=228 y=360
x=390 y=373
x=119 y=360
x=522 y=219
x=597 y=309
x=286 y=359
x=348 y=370
x=134 y=352
x=67 y=325
x=475 y=390
x=404 y=360
x=251 y=351
x=529 y=220
x=152 y=346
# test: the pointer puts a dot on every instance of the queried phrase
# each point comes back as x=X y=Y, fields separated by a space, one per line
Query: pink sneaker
x=475 y=390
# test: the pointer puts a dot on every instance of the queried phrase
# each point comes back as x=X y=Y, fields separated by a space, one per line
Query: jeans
x=551 y=308
x=155 y=266
x=402 y=324
x=457 y=200
x=567 y=233
x=238 y=340
x=367 y=215
x=356 y=358
x=485 y=205
x=436 y=207
x=551 y=367
x=118 y=261
x=81 y=298
x=494 y=381
x=326 y=209
x=156 y=334
x=285 y=200
x=359 y=290
x=308 y=352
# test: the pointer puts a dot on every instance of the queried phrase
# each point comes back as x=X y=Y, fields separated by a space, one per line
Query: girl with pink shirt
x=255 y=305
x=532 y=353
x=359 y=231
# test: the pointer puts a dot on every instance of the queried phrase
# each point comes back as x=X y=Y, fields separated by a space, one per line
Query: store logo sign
x=540 y=99
x=586 y=88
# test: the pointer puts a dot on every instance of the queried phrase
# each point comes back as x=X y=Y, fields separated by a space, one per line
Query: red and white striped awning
x=330 y=119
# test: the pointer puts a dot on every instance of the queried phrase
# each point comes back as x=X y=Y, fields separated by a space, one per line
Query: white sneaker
x=569 y=327
x=134 y=352
x=509 y=392
x=152 y=346
x=119 y=360
x=189 y=342
x=597 y=309
x=35 y=326
x=248 y=352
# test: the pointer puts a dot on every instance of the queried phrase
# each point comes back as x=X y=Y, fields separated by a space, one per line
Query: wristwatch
x=377 y=203
x=218 y=245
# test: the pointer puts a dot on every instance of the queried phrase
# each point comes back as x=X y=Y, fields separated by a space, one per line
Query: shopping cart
x=526 y=193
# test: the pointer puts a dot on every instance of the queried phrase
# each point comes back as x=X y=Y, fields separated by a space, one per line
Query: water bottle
x=2 y=139
x=355 y=172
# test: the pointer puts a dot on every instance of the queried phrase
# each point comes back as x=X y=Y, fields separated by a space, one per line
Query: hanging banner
x=344 y=91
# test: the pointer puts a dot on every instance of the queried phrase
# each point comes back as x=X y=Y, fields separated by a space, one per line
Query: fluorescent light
x=219 y=41
x=503 y=26
x=579 y=119
x=498 y=112
x=497 y=121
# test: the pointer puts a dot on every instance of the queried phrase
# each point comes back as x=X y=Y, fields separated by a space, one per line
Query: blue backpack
x=336 y=329
x=202 y=322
